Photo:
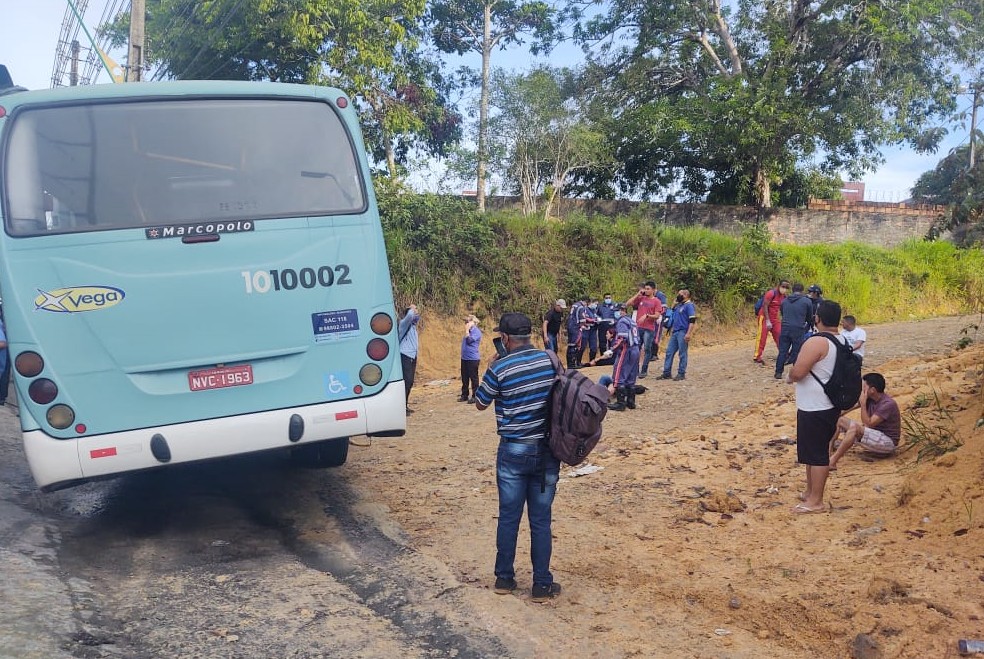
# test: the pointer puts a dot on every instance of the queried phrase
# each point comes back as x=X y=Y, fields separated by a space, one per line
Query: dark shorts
x=814 y=431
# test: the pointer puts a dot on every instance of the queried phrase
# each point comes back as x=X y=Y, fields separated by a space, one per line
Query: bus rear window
x=133 y=164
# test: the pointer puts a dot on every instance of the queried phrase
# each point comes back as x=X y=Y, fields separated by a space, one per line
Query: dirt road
x=681 y=546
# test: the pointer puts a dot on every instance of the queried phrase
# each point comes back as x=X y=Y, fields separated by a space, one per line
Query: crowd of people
x=627 y=335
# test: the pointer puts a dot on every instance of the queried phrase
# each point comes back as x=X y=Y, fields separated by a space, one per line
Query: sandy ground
x=684 y=545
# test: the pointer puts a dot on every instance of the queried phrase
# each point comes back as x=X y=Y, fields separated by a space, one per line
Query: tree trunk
x=763 y=189
x=483 y=107
x=390 y=154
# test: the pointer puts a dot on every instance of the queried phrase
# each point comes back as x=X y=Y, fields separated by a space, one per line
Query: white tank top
x=809 y=393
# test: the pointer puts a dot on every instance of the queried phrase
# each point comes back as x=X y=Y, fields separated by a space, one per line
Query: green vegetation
x=447 y=255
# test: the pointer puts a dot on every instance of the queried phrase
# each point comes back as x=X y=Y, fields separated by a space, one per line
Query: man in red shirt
x=768 y=318
x=649 y=312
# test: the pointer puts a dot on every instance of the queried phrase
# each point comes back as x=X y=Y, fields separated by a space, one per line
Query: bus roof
x=164 y=89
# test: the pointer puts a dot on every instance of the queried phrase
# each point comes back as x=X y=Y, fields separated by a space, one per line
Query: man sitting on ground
x=881 y=424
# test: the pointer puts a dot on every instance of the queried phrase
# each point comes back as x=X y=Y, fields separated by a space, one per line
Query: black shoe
x=665 y=376
x=504 y=586
x=680 y=377
x=778 y=376
x=462 y=399
x=643 y=375
x=471 y=401
x=544 y=593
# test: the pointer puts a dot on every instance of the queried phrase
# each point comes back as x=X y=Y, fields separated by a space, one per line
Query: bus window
x=124 y=165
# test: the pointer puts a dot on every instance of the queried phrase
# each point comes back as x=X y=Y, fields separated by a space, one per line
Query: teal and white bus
x=192 y=270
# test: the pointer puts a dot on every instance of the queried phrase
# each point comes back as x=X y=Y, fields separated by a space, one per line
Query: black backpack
x=844 y=386
x=575 y=410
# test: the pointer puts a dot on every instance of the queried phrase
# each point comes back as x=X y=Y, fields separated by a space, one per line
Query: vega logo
x=76 y=299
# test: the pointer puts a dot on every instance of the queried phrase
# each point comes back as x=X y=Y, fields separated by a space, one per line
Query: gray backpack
x=575 y=410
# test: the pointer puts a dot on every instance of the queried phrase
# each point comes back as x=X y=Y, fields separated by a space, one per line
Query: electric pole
x=973 y=125
x=134 y=58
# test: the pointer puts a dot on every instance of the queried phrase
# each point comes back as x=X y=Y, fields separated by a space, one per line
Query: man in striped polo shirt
x=526 y=470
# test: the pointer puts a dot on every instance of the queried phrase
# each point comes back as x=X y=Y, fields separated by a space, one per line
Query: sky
x=29 y=32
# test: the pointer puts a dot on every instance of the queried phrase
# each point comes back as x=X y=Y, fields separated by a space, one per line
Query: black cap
x=514 y=324
x=815 y=289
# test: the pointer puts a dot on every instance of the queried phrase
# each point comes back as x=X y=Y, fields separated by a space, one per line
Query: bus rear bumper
x=57 y=462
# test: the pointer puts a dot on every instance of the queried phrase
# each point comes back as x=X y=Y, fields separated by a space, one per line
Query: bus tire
x=319 y=455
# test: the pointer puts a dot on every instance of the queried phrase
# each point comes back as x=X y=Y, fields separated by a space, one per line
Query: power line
x=215 y=33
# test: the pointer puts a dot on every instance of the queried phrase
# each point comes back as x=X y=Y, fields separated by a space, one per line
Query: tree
x=705 y=88
x=541 y=131
x=961 y=189
x=370 y=49
x=481 y=26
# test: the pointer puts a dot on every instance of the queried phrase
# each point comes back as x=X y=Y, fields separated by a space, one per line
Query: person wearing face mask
x=590 y=339
x=681 y=329
x=606 y=321
x=768 y=319
x=625 y=352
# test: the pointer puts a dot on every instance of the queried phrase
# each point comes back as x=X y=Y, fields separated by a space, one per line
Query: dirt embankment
x=684 y=545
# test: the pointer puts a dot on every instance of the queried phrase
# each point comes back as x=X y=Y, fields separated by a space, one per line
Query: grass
x=445 y=255
x=930 y=431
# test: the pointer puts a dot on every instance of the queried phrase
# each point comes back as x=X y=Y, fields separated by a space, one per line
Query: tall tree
x=482 y=26
x=368 y=47
x=705 y=87
x=542 y=134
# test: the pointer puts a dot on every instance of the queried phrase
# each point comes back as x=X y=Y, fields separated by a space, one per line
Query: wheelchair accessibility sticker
x=337 y=384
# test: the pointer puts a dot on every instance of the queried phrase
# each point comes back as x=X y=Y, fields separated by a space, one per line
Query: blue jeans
x=646 y=337
x=526 y=474
x=551 y=342
x=790 y=341
x=675 y=344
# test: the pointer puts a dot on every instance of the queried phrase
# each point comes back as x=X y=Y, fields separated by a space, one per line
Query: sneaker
x=778 y=376
x=665 y=376
x=462 y=399
x=544 y=593
x=471 y=401
x=643 y=375
x=680 y=377
x=504 y=586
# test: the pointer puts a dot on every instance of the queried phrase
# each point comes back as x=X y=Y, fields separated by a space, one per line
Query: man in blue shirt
x=606 y=321
x=625 y=352
x=409 y=344
x=526 y=471
x=684 y=319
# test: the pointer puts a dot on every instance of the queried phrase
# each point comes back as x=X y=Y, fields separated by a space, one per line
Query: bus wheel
x=327 y=453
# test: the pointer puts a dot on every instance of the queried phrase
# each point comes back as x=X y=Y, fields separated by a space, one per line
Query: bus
x=190 y=271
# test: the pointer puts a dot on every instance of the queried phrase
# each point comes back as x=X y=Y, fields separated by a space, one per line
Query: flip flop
x=800 y=509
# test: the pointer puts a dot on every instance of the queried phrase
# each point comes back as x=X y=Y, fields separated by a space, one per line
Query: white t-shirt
x=810 y=396
x=852 y=337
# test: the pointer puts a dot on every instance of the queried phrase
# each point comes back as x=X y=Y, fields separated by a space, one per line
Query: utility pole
x=134 y=58
x=973 y=126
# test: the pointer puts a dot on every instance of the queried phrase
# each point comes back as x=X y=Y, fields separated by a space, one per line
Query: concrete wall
x=827 y=222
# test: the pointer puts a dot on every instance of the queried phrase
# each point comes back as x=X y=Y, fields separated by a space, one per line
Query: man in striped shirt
x=526 y=471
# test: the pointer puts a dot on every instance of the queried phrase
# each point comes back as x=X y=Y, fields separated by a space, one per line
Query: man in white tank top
x=816 y=416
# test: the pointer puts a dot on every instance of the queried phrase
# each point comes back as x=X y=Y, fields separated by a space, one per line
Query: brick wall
x=827 y=222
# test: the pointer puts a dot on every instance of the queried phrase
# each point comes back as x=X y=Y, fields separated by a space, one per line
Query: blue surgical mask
x=608 y=300
x=593 y=305
x=619 y=314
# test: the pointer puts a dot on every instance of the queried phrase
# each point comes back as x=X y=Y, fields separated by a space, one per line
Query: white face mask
x=608 y=300
x=619 y=314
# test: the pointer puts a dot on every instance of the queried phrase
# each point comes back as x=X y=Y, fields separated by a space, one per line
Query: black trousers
x=409 y=371
x=469 y=373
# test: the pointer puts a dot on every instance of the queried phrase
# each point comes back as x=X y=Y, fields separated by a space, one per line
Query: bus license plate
x=218 y=378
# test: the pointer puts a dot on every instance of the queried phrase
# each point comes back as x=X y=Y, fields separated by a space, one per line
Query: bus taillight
x=378 y=349
x=42 y=391
x=60 y=416
x=370 y=374
x=381 y=324
x=29 y=364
